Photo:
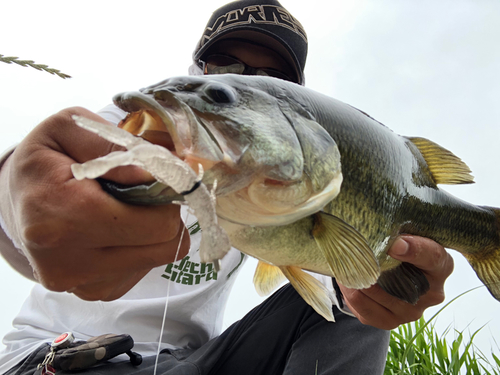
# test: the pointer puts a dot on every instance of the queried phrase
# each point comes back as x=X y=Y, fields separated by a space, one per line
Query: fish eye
x=220 y=94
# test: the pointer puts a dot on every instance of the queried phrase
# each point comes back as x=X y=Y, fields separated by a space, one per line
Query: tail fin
x=487 y=262
x=488 y=270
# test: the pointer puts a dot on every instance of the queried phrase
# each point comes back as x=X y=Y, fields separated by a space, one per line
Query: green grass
x=417 y=349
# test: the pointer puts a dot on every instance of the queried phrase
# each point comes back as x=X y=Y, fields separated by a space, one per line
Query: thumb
x=422 y=252
x=79 y=145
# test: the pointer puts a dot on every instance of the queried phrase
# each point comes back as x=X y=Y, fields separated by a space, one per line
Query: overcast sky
x=426 y=68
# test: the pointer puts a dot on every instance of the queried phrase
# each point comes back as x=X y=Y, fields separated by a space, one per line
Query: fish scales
x=433 y=213
x=307 y=182
x=418 y=208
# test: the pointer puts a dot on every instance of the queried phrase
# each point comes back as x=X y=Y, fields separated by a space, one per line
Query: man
x=75 y=238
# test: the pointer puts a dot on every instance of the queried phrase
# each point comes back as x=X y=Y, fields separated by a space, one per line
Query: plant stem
x=11 y=59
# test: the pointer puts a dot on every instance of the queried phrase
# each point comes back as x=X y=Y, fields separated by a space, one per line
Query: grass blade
x=32 y=64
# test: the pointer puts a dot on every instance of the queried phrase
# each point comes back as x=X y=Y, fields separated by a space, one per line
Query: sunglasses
x=222 y=64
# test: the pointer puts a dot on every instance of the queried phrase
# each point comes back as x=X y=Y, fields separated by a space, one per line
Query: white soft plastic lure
x=167 y=169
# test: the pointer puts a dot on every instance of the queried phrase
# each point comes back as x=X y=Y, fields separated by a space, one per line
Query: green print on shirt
x=194 y=228
x=189 y=273
x=193 y=273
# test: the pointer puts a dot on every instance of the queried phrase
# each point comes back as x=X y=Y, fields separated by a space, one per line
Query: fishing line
x=168 y=294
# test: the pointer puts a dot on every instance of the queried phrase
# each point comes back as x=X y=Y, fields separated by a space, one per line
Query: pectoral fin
x=267 y=278
x=346 y=251
x=445 y=167
x=311 y=290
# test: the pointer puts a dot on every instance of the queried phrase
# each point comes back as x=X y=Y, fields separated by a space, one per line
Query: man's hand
x=373 y=306
x=76 y=237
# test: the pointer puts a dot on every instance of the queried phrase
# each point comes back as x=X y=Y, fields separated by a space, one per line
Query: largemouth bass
x=306 y=182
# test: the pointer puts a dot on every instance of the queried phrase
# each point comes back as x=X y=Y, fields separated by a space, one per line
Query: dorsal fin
x=445 y=167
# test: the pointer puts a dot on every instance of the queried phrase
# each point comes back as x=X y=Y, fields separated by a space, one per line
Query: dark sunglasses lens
x=222 y=64
x=219 y=64
x=274 y=73
x=215 y=69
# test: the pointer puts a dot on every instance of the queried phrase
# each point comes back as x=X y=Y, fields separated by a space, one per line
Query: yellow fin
x=346 y=251
x=446 y=167
x=488 y=270
x=311 y=290
x=267 y=278
x=486 y=262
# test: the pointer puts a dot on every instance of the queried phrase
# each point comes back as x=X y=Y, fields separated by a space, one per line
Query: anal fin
x=405 y=282
x=346 y=251
x=311 y=290
x=267 y=278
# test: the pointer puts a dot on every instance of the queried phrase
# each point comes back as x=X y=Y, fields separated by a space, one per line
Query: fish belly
x=282 y=246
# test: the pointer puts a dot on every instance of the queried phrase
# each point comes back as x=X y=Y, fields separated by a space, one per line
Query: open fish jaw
x=262 y=174
x=177 y=129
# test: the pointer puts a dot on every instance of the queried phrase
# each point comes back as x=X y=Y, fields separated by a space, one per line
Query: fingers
x=423 y=253
x=55 y=204
x=73 y=144
x=79 y=212
x=430 y=257
x=61 y=134
x=87 y=271
x=375 y=307
x=110 y=288
x=76 y=236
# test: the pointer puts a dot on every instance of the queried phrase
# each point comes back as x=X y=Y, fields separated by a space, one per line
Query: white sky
x=422 y=68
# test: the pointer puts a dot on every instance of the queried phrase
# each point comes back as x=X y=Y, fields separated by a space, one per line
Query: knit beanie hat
x=264 y=22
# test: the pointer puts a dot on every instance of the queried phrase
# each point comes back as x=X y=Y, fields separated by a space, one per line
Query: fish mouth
x=197 y=138
x=260 y=175
x=163 y=120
